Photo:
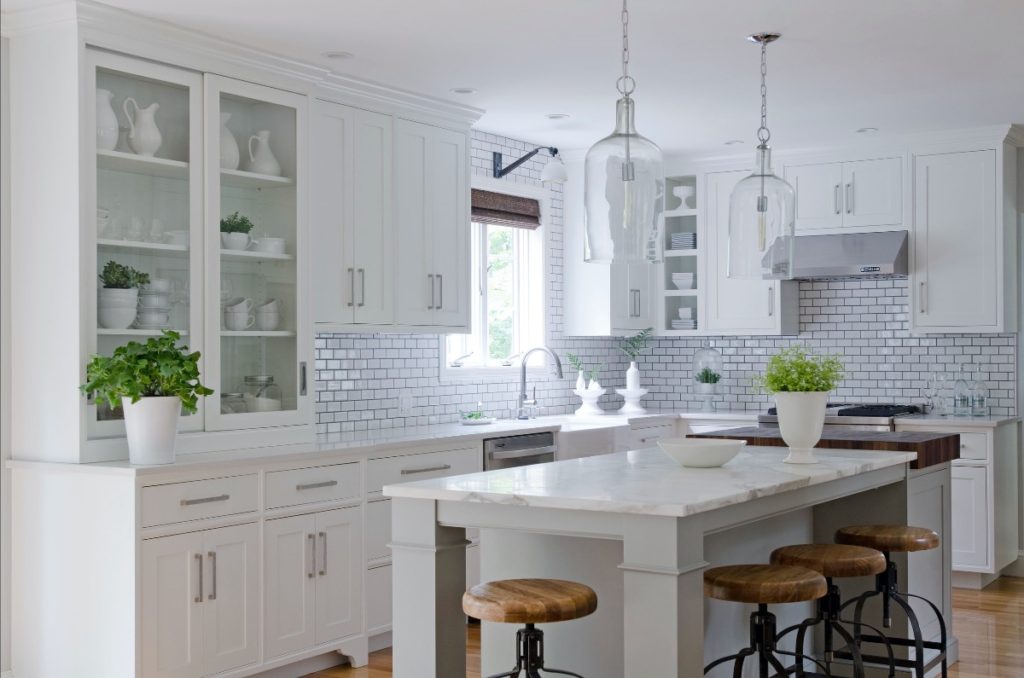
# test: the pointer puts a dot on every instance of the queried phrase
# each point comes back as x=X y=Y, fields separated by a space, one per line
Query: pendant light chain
x=763 y=133
x=625 y=84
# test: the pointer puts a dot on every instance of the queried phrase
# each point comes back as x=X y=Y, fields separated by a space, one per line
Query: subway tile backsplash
x=361 y=378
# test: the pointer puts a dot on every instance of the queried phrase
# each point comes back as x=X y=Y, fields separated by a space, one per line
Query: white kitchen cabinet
x=970 y=517
x=859 y=194
x=200 y=602
x=350 y=210
x=964 y=276
x=432 y=227
x=313 y=579
x=739 y=306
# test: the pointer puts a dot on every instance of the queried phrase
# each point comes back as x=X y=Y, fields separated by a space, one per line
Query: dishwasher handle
x=519 y=454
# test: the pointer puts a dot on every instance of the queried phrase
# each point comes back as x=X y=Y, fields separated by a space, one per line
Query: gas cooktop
x=882 y=410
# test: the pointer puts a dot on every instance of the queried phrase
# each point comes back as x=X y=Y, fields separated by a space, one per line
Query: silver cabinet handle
x=849 y=198
x=362 y=287
x=835 y=199
x=212 y=555
x=302 y=378
x=427 y=469
x=323 y=553
x=771 y=301
x=351 y=287
x=311 y=571
x=440 y=291
x=205 y=500
x=199 y=566
x=316 y=486
x=647 y=440
x=430 y=283
x=924 y=297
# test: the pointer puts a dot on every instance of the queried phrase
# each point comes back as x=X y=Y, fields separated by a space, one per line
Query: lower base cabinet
x=970 y=517
x=312 y=580
x=200 y=608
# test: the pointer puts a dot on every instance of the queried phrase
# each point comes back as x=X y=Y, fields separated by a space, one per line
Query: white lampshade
x=762 y=212
x=554 y=171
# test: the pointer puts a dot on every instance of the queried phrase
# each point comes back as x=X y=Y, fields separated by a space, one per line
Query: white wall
x=5 y=363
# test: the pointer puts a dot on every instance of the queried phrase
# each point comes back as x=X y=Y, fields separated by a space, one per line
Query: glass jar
x=979 y=396
x=262 y=394
x=707 y=374
x=233 y=403
x=961 y=394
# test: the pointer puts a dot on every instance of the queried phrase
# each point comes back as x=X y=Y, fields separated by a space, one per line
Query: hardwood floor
x=989 y=624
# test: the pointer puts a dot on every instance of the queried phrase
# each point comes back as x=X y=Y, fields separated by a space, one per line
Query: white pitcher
x=106 y=121
x=262 y=160
x=229 y=156
x=143 y=135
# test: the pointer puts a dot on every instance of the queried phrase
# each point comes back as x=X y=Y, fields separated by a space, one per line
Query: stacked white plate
x=684 y=241
x=684 y=281
x=154 y=310
x=679 y=324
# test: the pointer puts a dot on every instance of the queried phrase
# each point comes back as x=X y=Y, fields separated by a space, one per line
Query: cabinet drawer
x=391 y=470
x=199 y=499
x=312 y=485
x=649 y=437
x=974 y=446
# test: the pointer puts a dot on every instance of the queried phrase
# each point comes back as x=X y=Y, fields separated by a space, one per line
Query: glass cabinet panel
x=255 y=250
x=147 y=216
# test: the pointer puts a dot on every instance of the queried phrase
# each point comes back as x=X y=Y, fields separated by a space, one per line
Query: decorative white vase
x=152 y=428
x=590 y=396
x=229 y=157
x=235 y=241
x=106 y=121
x=632 y=397
x=581 y=382
x=143 y=134
x=261 y=158
x=116 y=308
x=632 y=377
x=801 y=418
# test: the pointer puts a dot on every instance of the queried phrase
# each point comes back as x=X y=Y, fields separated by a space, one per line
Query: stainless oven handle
x=519 y=454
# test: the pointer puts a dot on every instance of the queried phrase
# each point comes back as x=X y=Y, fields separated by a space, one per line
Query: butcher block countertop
x=931 y=448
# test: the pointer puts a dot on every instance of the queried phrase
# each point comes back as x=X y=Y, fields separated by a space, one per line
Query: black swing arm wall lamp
x=553 y=171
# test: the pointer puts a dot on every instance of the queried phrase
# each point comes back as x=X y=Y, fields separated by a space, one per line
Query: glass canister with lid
x=233 y=403
x=262 y=394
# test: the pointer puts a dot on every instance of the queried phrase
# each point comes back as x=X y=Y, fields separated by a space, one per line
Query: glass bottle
x=762 y=213
x=979 y=396
x=961 y=394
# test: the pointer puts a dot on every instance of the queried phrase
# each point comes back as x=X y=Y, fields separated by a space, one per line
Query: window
x=507 y=294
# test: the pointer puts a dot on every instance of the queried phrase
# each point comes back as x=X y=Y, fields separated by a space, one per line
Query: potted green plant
x=235 y=230
x=706 y=379
x=118 y=300
x=800 y=382
x=153 y=382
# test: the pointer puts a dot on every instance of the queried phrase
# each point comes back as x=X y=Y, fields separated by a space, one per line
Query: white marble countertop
x=949 y=422
x=648 y=481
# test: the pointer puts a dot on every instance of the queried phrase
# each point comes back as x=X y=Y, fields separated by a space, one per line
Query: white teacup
x=150 y=317
x=159 y=300
x=238 y=321
x=269 y=245
x=235 y=241
x=162 y=285
x=177 y=238
x=238 y=305
x=268 y=306
x=267 y=321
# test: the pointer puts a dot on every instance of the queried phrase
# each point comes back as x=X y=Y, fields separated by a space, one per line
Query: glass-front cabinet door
x=143 y=215
x=257 y=329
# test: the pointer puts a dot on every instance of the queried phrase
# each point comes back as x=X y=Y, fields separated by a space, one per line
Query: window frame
x=501 y=373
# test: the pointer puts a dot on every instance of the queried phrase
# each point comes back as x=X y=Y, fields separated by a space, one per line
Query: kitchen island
x=650 y=521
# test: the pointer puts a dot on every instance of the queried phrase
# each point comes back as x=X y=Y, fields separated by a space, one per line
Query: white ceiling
x=899 y=65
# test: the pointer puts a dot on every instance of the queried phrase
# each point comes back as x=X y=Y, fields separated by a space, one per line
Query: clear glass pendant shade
x=624 y=192
x=761 y=223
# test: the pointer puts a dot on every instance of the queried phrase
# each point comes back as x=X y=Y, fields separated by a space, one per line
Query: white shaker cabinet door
x=289 y=584
x=416 y=286
x=373 y=230
x=231 y=611
x=819 y=195
x=448 y=203
x=172 y=602
x=339 y=600
x=872 y=193
x=970 y=518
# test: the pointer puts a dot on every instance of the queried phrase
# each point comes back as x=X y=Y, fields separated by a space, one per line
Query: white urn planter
x=151 y=425
x=590 y=396
x=801 y=418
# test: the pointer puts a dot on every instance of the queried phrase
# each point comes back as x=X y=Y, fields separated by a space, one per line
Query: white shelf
x=680 y=293
x=103 y=332
x=686 y=212
x=681 y=253
x=257 y=333
x=141 y=164
x=141 y=246
x=241 y=179
x=251 y=254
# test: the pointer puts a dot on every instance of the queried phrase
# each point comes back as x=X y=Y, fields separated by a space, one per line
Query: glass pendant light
x=624 y=185
x=762 y=206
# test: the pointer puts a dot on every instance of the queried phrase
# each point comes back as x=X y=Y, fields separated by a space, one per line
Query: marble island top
x=648 y=481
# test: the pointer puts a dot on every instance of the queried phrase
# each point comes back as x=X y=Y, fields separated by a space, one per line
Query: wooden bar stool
x=832 y=561
x=896 y=539
x=762 y=585
x=529 y=602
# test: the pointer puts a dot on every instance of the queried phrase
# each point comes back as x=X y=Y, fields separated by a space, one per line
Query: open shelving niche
x=679 y=218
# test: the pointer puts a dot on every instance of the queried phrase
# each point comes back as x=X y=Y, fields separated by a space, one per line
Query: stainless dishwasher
x=521 y=450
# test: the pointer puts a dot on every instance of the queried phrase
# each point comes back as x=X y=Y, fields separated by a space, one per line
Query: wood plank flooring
x=989 y=624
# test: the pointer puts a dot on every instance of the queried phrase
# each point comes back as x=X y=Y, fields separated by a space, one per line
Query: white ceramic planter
x=632 y=378
x=152 y=427
x=590 y=396
x=801 y=417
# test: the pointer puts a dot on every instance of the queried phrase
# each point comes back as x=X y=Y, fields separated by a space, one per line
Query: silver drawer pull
x=212 y=555
x=199 y=566
x=311 y=570
x=323 y=553
x=205 y=500
x=316 y=486
x=428 y=469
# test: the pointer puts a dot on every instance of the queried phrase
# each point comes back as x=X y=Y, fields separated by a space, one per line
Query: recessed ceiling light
x=734 y=142
x=556 y=116
x=463 y=90
x=867 y=130
x=338 y=54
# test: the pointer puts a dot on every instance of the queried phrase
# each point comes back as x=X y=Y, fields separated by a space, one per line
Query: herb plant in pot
x=801 y=383
x=153 y=382
x=235 y=232
x=118 y=300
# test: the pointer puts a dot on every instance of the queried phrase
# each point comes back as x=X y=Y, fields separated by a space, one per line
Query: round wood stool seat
x=529 y=601
x=832 y=560
x=889 y=538
x=764 y=584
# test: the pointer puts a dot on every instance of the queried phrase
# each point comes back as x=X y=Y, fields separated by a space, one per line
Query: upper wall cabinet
x=861 y=194
x=964 y=274
x=432 y=227
x=351 y=203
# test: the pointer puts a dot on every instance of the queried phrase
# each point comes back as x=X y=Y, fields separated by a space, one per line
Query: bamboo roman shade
x=505 y=210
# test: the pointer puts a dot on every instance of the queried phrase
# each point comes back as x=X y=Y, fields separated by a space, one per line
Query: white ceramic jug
x=228 y=146
x=143 y=135
x=106 y=121
x=262 y=160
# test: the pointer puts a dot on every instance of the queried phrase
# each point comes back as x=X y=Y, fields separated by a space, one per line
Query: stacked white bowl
x=116 y=308
x=154 y=311
x=684 y=281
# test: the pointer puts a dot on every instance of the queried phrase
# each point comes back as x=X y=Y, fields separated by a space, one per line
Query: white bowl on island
x=701 y=452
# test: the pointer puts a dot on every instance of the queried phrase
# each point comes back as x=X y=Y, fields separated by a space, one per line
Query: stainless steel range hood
x=850 y=255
